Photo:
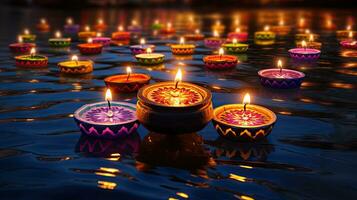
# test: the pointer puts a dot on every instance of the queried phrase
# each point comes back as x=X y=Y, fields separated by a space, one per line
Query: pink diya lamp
x=235 y=47
x=343 y=34
x=31 y=60
x=150 y=58
x=280 y=78
x=105 y=41
x=59 y=41
x=171 y=107
x=107 y=119
x=27 y=36
x=75 y=66
x=134 y=27
x=87 y=33
x=127 y=83
x=194 y=37
x=90 y=47
x=43 y=26
x=220 y=61
x=281 y=29
x=311 y=44
x=305 y=36
x=168 y=29
x=304 y=53
x=350 y=43
x=141 y=48
x=245 y=122
x=100 y=26
x=238 y=35
x=21 y=47
x=121 y=34
x=70 y=27
x=182 y=48
x=215 y=41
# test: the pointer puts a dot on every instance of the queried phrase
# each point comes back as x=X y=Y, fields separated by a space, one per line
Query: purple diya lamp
x=238 y=35
x=182 y=48
x=350 y=43
x=59 y=41
x=110 y=119
x=244 y=122
x=215 y=41
x=21 y=47
x=71 y=28
x=194 y=37
x=304 y=53
x=220 y=61
x=280 y=78
x=142 y=48
x=31 y=60
x=105 y=41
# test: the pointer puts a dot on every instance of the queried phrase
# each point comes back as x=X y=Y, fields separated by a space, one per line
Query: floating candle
x=70 y=27
x=27 y=36
x=194 y=37
x=238 y=35
x=100 y=26
x=350 y=43
x=59 y=41
x=150 y=58
x=108 y=119
x=220 y=61
x=105 y=41
x=311 y=44
x=75 y=66
x=264 y=35
x=87 y=33
x=21 y=47
x=127 y=83
x=244 y=121
x=31 y=60
x=90 y=47
x=235 y=47
x=280 y=78
x=43 y=26
x=304 y=53
x=121 y=34
x=182 y=48
x=215 y=41
x=142 y=48
x=168 y=29
x=174 y=107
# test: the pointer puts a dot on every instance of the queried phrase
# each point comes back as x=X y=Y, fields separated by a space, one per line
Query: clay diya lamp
x=156 y=25
x=311 y=44
x=105 y=41
x=197 y=36
x=238 y=35
x=43 y=26
x=31 y=60
x=280 y=78
x=174 y=107
x=121 y=34
x=87 y=33
x=70 y=27
x=215 y=41
x=59 y=41
x=150 y=58
x=20 y=47
x=220 y=61
x=344 y=34
x=76 y=66
x=281 y=29
x=27 y=36
x=265 y=35
x=127 y=83
x=305 y=36
x=235 y=47
x=142 y=48
x=90 y=47
x=182 y=48
x=350 y=43
x=107 y=119
x=304 y=53
x=218 y=26
x=168 y=30
x=134 y=27
x=100 y=26
x=245 y=122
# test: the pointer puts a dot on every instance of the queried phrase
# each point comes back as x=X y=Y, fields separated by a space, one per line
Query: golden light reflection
x=238 y=178
x=243 y=197
x=342 y=85
x=105 y=174
x=110 y=170
x=183 y=195
x=106 y=185
x=246 y=166
x=285 y=112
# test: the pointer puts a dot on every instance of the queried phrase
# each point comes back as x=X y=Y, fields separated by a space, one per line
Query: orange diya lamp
x=90 y=47
x=87 y=33
x=220 y=61
x=43 y=26
x=31 y=60
x=27 y=36
x=121 y=34
x=182 y=48
x=100 y=26
x=174 y=107
x=127 y=83
x=244 y=121
x=195 y=36
x=75 y=66
x=150 y=58
x=21 y=47
x=344 y=34
x=310 y=44
x=59 y=41
x=215 y=41
x=281 y=28
x=168 y=29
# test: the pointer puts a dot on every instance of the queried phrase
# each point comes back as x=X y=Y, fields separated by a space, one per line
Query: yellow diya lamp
x=235 y=47
x=310 y=44
x=27 y=36
x=220 y=61
x=87 y=33
x=59 y=41
x=305 y=36
x=150 y=58
x=343 y=34
x=265 y=35
x=214 y=42
x=246 y=122
x=281 y=28
x=101 y=26
x=127 y=83
x=43 y=26
x=182 y=48
x=174 y=107
x=195 y=36
x=75 y=66
x=90 y=47
x=21 y=47
x=31 y=60
x=121 y=34
x=168 y=29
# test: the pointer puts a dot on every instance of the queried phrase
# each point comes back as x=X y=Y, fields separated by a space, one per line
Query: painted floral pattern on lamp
x=100 y=115
x=171 y=96
x=243 y=118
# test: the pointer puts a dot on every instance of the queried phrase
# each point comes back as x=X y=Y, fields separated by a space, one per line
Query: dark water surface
x=311 y=153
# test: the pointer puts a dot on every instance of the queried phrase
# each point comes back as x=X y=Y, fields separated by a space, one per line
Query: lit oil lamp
x=220 y=61
x=142 y=47
x=43 y=26
x=182 y=48
x=304 y=53
x=246 y=122
x=105 y=41
x=266 y=34
x=280 y=78
x=134 y=27
x=21 y=47
x=127 y=83
x=344 y=34
x=121 y=34
x=174 y=107
x=351 y=43
x=27 y=36
x=310 y=44
x=218 y=26
x=156 y=25
x=107 y=119
x=305 y=36
x=59 y=41
x=70 y=27
x=238 y=35
x=235 y=47
x=150 y=58
x=168 y=29
x=75 y=66
x=215 y=41
x=281 y=29
x=87 y=33
x=194 y=37
x=100 y=26
x=90 y=47
x=31 y=60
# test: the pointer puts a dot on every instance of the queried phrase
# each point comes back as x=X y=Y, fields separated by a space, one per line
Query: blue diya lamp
x=107 y=119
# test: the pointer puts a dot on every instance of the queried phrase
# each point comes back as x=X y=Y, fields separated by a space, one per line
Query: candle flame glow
x=43 y=21
x=303 y=44
x=120 y=28
x=281 y=22
x=307 y=31
x=215 y=33
x=266 y=28
x=90 y=40
x=142 y=41
x=280 y=64
x=99 y=34
x=218 y=22
x=220 y=51
x=350 y=34
x=128 y=70
x=238 y=30
x=169 y=25
x=87 y=28
x=197 y=31
x=33 y=51
x=100 y=21
x=148 y=50
x=182 y=40
x=178 y=77
x=108 y=95
x=58 y=34
x=246 y=99
x=134 y=22
x=20 y=40
x=69 y=21
x=311 y=38
x=234 y=41
x=26 y=31
x=156 y=21
x=74 y=58
x=348 y=27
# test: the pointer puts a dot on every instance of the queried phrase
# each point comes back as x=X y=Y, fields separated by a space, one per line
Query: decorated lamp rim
x=261 y=73
x=142 y=46
x=81 y=63
x=145 y=79
x=90 y=45
x=26 y=57
x=142 y=55
x=311 y=51
x=230 y=58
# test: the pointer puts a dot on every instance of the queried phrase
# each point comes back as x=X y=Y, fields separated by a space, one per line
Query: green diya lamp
x=182 y=48
x=265 y=34
x=59 y=41
x=150 y=58
x=75 y=66
x=31 y=60
x=235 y=47
x=156 y=25
x=27 y=36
